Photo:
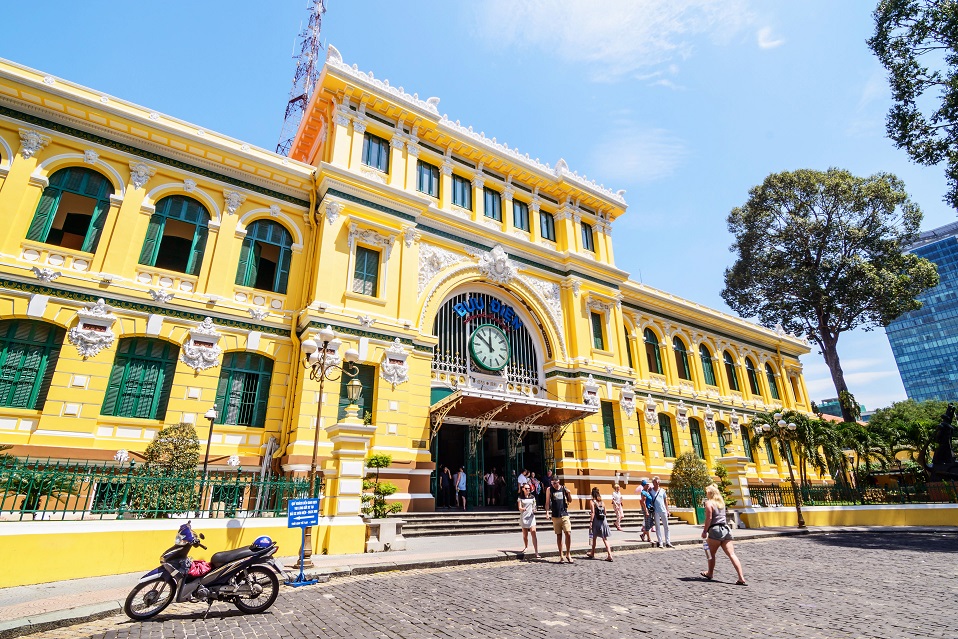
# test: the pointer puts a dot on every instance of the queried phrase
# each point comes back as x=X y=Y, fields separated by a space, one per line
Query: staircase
x=477 y=522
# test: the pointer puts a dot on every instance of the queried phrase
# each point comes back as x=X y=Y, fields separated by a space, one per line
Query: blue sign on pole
x=303 y=513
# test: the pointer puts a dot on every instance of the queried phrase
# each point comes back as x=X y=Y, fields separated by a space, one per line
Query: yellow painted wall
x=888 y=515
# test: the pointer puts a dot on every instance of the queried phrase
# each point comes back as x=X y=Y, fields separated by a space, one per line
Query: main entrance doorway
x=497 y=449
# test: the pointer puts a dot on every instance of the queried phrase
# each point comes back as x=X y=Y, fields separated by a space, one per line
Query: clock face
x=490 y=347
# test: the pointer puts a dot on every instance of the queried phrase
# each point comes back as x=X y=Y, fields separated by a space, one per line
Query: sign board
x=303 y=513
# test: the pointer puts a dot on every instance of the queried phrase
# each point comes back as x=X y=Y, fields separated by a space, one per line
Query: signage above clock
x=477 y=308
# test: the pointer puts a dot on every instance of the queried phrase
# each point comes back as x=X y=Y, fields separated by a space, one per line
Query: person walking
x=490 y=479
x=527 y=510
x=598 y=524
x=660 y=514
x=617 y=506
x=718 y=533
x=445 y=488
x=558 y=499
x=546 y=483
x=645 y=500
x=461 y=487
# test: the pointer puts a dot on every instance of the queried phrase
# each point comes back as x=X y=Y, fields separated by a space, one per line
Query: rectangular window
x=769 y=451
x=366 y=377
x=141 y=379
x=366 y=274
x=628 y=349
x=520 y=215
x=461 y=192
x=547 y=226
x=427 y=178
x=747 y=446
x=376 y=152
x=493 y=204
x=597 y=341
x=608 y=424
x=588 y=237
x=665 y=430
x=696 y=435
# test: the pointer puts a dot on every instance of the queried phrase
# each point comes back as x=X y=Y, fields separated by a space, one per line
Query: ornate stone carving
x=373 y=174
x=446 y=168
x=371 y=237
x=234 y=199
x=335 y=60
x=90 y=156
x=258 y=313
x=496 y=266
x=549 y=292
x=31 y=141
x=433 y=259
x=140 y=174
x=599 y=305
x=331 y=211
x=201 y=350
x=46 y=274
x=394 y=368
x=359 y=126
x=161 y=297
x=682 y=414
x=709 y=419
x=627 y=399
x=396 y=141
x=92 y=333
x=411 y=236
x=651 y=412
x=590 y=392
x=274 y=210
x=734 y=422
x=365 y=320
x=189 y=185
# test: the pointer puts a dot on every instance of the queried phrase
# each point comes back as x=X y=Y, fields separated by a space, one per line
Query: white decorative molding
x=371 y=237
x=682 y=414
x=432 y=260
x=140 y=174
x=590 y=392
x=627 y=399
x=162 y=297
x=49 y=80
x=154 y=116
x=550 y=294
x=335 y=60
x=189 y=185
x=394 y=368
x=93 y=332
x=32 y=141
x=90 y=156
x=331 y=211
x=496 y=266
x=374 y=175
x=446 y=168
x=598 y=304
x=709 y=419
x=359 y=126
x=233 y=199
x=258 y=313
x=411 y=236
x=651 y=412
x=201 y=350
x=274 y=210
x=46 y=274
x=365 y=320
x=397 y=141
x=573 y=283
x=734 y=422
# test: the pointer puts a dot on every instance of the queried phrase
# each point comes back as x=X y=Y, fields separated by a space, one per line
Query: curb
x=58 y=619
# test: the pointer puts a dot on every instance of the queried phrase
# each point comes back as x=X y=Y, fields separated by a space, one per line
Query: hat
x=644 y=482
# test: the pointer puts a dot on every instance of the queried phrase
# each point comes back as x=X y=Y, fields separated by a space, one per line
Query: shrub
x=689 y=472
x=166 y=481
x=723 y=484
x=374 y=502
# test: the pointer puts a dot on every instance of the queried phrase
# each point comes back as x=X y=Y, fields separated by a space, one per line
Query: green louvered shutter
x=114 y=387
x=282 y=270
x=48 y=367
x=165 y=384
x=199 y=245
x=263 y=381
x=151 y=243
x=96 y=226
x=43 y=218
x=246 y=253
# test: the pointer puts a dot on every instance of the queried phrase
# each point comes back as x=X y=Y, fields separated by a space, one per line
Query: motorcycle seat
x=226 y=556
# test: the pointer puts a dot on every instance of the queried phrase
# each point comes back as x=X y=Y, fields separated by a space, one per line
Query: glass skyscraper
x=925 y=342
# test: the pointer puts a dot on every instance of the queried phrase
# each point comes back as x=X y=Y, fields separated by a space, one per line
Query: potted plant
x=382 y=532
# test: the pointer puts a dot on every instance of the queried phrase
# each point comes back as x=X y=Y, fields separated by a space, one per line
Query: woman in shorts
x=718 y=533
x=527 y=509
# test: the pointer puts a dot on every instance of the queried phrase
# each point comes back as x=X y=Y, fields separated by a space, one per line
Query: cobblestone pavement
x=828 y=585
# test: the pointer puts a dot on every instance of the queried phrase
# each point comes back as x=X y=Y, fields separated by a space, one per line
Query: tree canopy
x=820 y=253
x=917 y=42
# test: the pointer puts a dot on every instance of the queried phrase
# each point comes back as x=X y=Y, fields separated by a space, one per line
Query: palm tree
x=768 y=427
x=870 y=445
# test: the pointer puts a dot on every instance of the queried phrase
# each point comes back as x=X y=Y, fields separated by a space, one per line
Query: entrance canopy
x=496 y=409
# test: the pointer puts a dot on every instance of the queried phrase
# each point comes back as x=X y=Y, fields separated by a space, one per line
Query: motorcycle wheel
x=148 y=599
x=266 y=579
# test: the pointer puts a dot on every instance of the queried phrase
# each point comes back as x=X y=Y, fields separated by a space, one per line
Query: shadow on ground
x=922 y=542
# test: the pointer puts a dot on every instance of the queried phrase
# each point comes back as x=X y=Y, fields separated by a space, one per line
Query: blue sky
x=686 y=104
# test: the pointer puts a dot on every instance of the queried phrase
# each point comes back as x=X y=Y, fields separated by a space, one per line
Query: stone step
x=451 y=522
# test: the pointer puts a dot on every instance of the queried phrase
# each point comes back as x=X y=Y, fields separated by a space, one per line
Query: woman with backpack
x=599 y=525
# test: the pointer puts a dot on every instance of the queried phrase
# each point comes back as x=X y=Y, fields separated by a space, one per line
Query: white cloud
x=632 y=153
x=617 y=38
x=766 y=40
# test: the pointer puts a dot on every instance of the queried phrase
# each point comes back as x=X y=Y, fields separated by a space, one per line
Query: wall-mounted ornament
x=734 y=422
x=202 y=350
x=682 y=414
x=651 y=412
x=140 y=174
x=590 y=392
x=93 y=330
x=709 y=419
x=394 y=368
x=496 y=266
x=627 y=399
x=46 y=274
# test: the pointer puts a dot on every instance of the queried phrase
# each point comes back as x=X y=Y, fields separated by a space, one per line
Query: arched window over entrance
x=72 y=210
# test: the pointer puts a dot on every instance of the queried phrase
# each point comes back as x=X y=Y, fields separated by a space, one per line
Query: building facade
x=151 y=270
x=925 y=342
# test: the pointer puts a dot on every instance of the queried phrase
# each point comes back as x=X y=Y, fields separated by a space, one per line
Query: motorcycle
x=246 y=577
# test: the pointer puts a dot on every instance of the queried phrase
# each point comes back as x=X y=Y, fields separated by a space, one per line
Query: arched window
x=730 y=371
x=141 y=378
x=72 y=210
x=176 y=237
x=665 y=430
x=707 y=369
x=29 y=350
x=243 y=390
x=724 y=439
x=772 y=384
x=652 y=354
x=752 y=376
x=696 y=432
x=747 y=446
x=770 y=452
x=265 y=257
x=681 y=358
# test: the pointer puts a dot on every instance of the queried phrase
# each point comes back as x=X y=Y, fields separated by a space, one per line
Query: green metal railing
x=686 y=498
x=835 y=495
x=57 y=490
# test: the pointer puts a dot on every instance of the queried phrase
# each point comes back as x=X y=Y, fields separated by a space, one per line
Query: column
x=397 y=166
x=342 y=507
x=340 y=136
x=737 y=467
x=356 y=150
x=445 y=185
x=412 y=162
x=507 y=195
x=478 y=197
x=534 y=225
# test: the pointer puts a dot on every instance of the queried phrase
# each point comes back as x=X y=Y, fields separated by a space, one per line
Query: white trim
x=42 y=168
x=411 y=496
x=290 y=224
x=177 y=188
x=764 y=509
x=64 y=433
x=7 y=155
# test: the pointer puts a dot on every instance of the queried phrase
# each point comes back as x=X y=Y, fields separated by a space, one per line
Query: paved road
x=827 y=585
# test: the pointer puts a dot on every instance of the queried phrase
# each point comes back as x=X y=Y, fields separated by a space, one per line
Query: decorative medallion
x=90 y=156
x=258 y=313
x=590 y=392
x=682 y=414
x=161 y=297
x=394 y=368
x=201 y=350
x=651 y=412
x=140 y=174
x=627 y=399
x=31 y=141
x=497 y=267
x=234 y=199
x=189 y=185
x=93 y=332
x=709 y=419
x=45 y=274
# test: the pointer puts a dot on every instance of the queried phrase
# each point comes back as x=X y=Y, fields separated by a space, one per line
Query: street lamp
x=321 y=359
x=210 y=415
x=785 y=432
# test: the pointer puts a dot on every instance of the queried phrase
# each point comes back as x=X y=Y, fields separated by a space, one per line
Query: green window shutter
x=366 y=377
x=747 y=446
x=262 y=396
x=730 y=372
x=628 y=349
x=199 y=246
x=28 y=354
x=652 y=354
x=164 y=386
x=769 y=452
x=707 y=368
x=752 y=377
x=96 y=226
x=145 y=381
x=114 y=387
x=696 y=434
x=43 y=218
x=772 y=386
x=597 y=339
x=665 y=430
x=608 y=424
x=222 y=388
x=246 y=256
x=151 y=243
x=282 y=270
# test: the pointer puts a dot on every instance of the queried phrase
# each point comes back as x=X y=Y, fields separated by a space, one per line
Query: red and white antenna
x=308 y=65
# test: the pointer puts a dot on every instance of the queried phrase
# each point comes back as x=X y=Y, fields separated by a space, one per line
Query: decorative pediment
x=590 y=392
x=627 y=399
x=93 y=332
x=201 y=350
x=651 y=412
x=496 y=266
x=394 y=368
x=371 y=237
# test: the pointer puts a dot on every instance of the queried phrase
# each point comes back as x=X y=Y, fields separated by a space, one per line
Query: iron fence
x=839 y=495
x=60 y=490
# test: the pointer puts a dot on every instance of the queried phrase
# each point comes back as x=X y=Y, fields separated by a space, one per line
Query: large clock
x=490 y=347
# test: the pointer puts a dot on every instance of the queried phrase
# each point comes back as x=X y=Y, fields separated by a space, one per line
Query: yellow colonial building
x=151 y=269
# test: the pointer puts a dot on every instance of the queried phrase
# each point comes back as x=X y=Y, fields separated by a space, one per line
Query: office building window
x=72 y=210
x=652 y=354
x=243 y=390
x=608 y=424
x=547 y=226
x=461 y=192
x=597 y=339
x=376 y=152
x=520 y=215
x=427 y=178
x=366 y=273
x=492 y=202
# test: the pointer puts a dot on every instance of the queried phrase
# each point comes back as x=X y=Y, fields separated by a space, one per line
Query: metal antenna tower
x=308 y=64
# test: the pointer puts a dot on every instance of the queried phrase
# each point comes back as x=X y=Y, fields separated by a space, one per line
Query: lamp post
x=321 y=359
x=785 y=432
x=210 y=415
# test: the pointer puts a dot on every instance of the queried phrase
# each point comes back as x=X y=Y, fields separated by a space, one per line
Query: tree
x=909 y=427
x=917 y=42
x=723 y=483
x=820 y=253
x=166 y=481
x=688 y=472
x=375 y=505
